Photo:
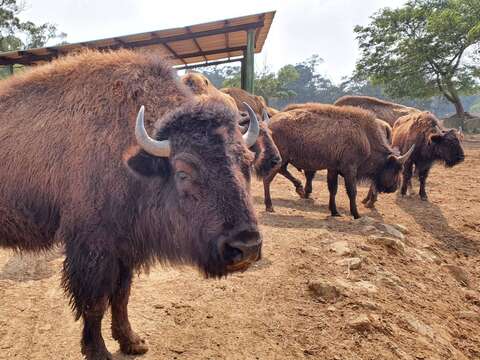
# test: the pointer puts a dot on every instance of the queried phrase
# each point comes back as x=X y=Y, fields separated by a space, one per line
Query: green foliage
x=16 y=35
x=268 y=84
x=422 y=49
x=476 y=107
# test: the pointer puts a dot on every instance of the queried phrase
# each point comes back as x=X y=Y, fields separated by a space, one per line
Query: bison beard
x=71 y=171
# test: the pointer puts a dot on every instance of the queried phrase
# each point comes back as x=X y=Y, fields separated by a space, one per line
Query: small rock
x=403 y=229
x=331 y=308
x=469 y=315
x=392 y=231
x=472 y=297
x=363 y=287
x=325 y=290
x=361 y=323
x=364 y=247
x=342 y=248
x=368 y=229
x=366 y=220
x=393 y=244
x=353 y=263
x=370 y=305
x=386 y=278
x=459 y=274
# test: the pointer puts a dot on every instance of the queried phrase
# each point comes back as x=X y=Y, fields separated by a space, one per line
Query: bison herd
x=113 y=156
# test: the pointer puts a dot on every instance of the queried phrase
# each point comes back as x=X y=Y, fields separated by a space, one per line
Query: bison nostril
x=276 y=161
x=243 y=246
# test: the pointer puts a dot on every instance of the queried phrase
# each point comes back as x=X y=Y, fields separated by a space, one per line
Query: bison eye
x=181 y=175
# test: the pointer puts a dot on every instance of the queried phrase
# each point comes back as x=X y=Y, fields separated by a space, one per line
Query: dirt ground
x=326 y=288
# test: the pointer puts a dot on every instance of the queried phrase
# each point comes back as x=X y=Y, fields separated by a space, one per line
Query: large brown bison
x=344 y=140
x=432 y=143
x=267 y=156
x=76 y=169
x=372 y=196
x=384 y=110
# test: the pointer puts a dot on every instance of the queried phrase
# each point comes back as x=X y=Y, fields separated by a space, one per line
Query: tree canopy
x=425 y=48
x=16 y=34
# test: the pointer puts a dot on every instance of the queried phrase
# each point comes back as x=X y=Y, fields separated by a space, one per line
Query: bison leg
x=351 y=185
x=93 y=346
x=266 y=189
x=371 y=198
x=407 y=177
x=130 y=343
x=309 y=175
x=297 y=183
x=90 y=272
x=422 y=176
x=332 y=181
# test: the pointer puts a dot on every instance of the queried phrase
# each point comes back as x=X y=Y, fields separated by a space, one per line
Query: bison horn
x=250 y=137
x=266 y=118
x=402 y=159
x=151 y=146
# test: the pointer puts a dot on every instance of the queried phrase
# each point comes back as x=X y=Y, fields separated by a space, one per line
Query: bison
x=432 y=143
x=344 y=140
x=384 y=110
x=267 y=156
x=371 y=198
x=75 y=168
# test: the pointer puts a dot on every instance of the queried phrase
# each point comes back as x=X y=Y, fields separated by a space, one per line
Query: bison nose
x=241 y=249
x=276 y=161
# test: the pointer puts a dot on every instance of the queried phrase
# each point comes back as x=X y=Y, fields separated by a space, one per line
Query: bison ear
x=144 y=164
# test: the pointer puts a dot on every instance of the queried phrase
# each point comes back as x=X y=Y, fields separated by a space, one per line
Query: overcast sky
x=300 y=27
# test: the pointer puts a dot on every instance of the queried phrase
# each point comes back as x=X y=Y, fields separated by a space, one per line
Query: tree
x=267 y=83
x=16 y=35
x=425 y=48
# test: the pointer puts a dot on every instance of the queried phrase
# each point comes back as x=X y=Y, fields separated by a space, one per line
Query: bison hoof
x=364 y=201
x=137 y=346
x=97 y=355
x=336 y=214
x=269 y=209
x=301 y=192
x=370 y=205
x=424 y=197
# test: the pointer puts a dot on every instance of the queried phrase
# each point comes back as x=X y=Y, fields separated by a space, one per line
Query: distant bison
x=344 y=140
x=75 y=168
x=384 y=110
x=372 y=196
x=267 y=156
x=201 y=86
x=432 y=143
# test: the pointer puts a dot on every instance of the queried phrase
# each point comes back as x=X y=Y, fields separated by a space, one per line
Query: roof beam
x=227 y=45
x=195 y=41
x=212 y=63
x=174 y=53
x=210 y=52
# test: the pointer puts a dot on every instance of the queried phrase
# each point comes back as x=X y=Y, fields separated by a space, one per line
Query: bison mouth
x=452 y=163
x=233 y=252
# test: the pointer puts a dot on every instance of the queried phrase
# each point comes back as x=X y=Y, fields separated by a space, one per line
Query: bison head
x=267 y=155
x=446 y=146
x=195 y=205
x=387 y=179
